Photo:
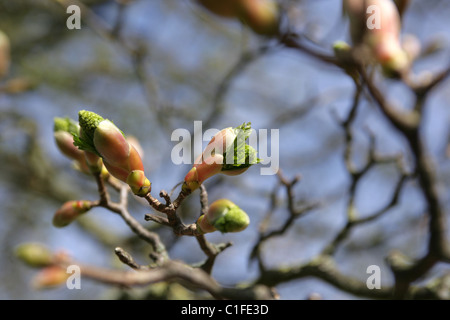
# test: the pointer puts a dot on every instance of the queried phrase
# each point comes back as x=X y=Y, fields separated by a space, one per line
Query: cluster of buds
x=261 y=16
x=5 y=55
x=226 y=153
x=51 y=274
x=85 y=161
x=70 y=211
x=223 y=215
x=63 y=131
x=37 y=255
x=382 y=39
x=101 y=138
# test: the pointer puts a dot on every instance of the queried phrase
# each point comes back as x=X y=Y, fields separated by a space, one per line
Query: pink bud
x=111 y=144
x=202 y=171
x=204 y=226
x=383 y=38
x=219 y=143
x=50 y=277
x=70 y=211
x=64 y=141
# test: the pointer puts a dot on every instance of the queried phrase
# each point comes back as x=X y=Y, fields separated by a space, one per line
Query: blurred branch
x=172 y=271
x=137 y=53
x=294 y=214
x=246 y=58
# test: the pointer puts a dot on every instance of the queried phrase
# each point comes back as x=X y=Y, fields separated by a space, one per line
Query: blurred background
x=173 y=63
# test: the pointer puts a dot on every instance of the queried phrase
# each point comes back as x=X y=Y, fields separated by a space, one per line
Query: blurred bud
x=226 y=153
x=62 y=131
x=343 y=53
x=18 y=85
x=94 y=162
x=70 y=211
x=5 y=54
x=138 y=182
x=379 y=30
x=262 y=16
x=64 y=141
x=101 y=137
x=34 y=254
x=222 y=8
x=225 y=216
x=50 y=277
x=392 y=58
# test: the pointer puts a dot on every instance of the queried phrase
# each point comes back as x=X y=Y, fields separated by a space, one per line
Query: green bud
x=226 y=216
x=226 y=153
x=34 y=254
x=138 y=183
x=65 y=124
x=88 y=121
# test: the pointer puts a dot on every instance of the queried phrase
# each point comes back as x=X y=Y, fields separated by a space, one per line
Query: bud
x=101 y=137
x=226 y=153
x=225 y=216
x=18 y=85
x=138 y=182
x=200 y=172
x=34 y=254
x=50 y=277
x=136 y=144
x=204 y=226
x=94 y=163
x=262 y=16
x=5 y=54
x=70 y=211
x=412 y=46
x=383 y=41
x=63 y=130
x=343 y=53
x=221 y=8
